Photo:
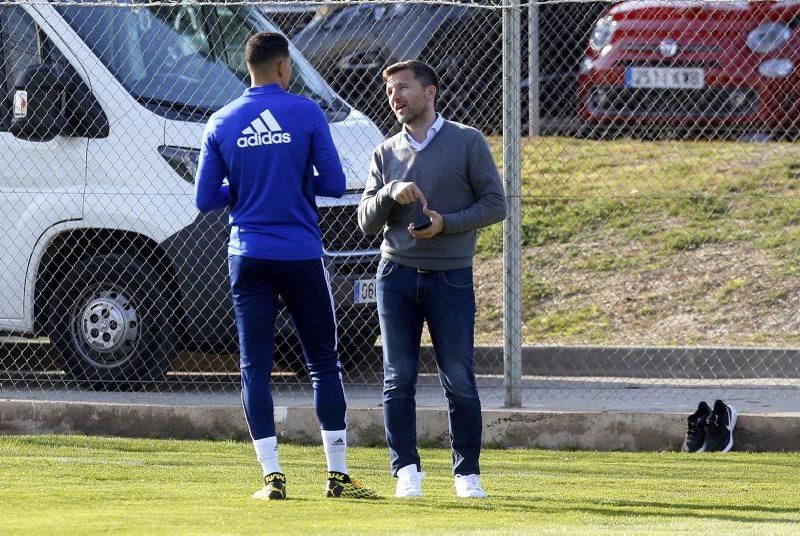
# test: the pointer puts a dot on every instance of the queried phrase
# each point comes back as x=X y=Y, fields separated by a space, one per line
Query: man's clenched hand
x=436 y=226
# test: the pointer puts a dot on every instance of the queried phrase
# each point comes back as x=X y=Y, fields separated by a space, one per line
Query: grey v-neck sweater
x=457 y=175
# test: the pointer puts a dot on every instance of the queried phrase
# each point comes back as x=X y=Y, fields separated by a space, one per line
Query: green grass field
x=653 y=242
x=55 y=484
x=671 y=194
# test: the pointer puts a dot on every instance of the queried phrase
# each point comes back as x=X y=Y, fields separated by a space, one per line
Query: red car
x=690 y=63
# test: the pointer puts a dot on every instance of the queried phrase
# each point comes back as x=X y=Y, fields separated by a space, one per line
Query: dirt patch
x=718 y=294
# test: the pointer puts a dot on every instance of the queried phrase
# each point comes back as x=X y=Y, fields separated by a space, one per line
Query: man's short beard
x=410 y=118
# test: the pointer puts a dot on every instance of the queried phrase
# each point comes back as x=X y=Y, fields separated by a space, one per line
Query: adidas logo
x=338 y=442
x=263 y=130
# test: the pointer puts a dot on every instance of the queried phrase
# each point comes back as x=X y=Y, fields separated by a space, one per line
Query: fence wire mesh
x=658 y=206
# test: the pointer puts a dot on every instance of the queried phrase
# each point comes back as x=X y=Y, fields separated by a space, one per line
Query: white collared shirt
x=435 y=127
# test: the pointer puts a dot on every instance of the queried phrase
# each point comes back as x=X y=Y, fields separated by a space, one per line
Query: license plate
x=364 y=291
x=665 y=77
x=20 y=103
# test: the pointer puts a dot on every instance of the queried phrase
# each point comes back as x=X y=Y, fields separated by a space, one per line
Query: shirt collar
x=435 y=127
x=262 y=90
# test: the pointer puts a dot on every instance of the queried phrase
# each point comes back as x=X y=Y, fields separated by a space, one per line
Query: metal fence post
x=533 y=70
x=512 y=166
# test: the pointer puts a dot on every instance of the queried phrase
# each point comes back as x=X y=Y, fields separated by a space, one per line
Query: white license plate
x=364 y=291
x=665 y=77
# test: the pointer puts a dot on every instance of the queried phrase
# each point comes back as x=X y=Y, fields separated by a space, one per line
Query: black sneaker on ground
x=719 y=429
x=274 y=488
x=343 y=485
x=695 y=440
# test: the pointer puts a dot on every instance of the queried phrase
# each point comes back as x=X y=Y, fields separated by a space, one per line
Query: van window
x=235 y=28
x=189 y=22
x=21 y=48
x=173 y=60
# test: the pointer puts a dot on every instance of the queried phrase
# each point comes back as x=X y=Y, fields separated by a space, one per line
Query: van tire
x=113 y=323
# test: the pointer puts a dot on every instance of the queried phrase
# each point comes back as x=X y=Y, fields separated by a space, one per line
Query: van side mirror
x=39 y=103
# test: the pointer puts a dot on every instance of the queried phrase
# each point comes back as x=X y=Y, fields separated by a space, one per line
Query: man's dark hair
x=423 y=72
x=265 y=47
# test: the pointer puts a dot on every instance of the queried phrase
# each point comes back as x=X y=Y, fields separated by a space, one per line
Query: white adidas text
x=263 y=130
x=266 y=138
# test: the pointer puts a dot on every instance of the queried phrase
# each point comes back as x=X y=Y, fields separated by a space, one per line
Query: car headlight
x=602 y=34
x=768 y=37
x=776 y=68
x=182 y=160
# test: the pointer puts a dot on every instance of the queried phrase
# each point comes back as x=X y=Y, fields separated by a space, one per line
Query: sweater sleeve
x=490 y=200
x=376 y=201
x=209 y=191
x=329 y=180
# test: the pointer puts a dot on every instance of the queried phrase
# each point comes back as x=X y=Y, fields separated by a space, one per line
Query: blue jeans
x=256 y=285
x=446 y=300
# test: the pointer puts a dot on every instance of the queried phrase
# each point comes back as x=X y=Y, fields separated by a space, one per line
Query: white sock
x=335 y=444
x=267 y=454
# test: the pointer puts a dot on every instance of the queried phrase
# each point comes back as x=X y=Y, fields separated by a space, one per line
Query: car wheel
x=113 y=323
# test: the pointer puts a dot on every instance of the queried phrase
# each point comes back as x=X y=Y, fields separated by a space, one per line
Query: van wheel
x=113 y=323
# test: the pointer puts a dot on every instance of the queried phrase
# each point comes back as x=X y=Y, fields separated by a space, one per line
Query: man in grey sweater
x=430 y=188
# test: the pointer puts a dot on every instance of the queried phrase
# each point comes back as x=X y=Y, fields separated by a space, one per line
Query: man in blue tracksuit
x=266 y=144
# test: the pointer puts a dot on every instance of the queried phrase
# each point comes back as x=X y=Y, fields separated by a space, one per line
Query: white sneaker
x=409 y=482
x=469 y=486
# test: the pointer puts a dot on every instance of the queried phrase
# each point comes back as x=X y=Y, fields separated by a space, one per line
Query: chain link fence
x=648 y=150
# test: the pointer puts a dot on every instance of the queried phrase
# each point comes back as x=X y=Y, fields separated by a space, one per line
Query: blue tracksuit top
x=267 y=144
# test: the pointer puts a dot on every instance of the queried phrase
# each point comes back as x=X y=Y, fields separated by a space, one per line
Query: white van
x=102 y=248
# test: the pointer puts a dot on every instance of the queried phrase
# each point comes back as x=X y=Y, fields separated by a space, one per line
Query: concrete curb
x=631 y=361
x=511 y=429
